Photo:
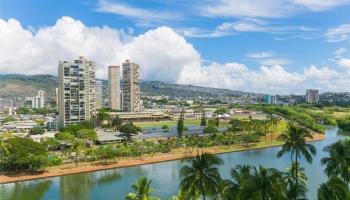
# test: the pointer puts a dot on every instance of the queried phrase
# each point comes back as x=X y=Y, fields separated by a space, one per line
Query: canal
x=115 y=183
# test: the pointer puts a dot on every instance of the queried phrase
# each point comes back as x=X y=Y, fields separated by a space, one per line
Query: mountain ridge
x=18 y=85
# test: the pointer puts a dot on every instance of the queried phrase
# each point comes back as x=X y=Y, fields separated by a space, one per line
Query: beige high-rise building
x=99 y=92
x=76 y=91
x=114 y=87
x=131 y=87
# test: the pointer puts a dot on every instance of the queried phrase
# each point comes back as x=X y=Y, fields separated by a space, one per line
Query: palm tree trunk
x=202 y=187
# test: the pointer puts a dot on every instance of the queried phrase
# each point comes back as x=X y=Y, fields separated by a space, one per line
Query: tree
x=77 y=146
x=203 y=119
x=106 y=153
x=36 y=131
x=51 y=143
x=25 y=154
x=87 y=134
x=201 y=176
x=66 y=136
x=4 y=150
x=165 y=127
x=338 y=162
x=129 y=129
x=295 y=144
x=210 y=129
x=180 y=125
x=142 y=190
x=295 y=191
x=335 y=189
x=103 y=117
x=267 y=183
x=116 y=122
x=235 y=125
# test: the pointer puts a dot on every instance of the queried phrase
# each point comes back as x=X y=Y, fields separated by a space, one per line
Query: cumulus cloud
x=162 y=54
x=344 y=62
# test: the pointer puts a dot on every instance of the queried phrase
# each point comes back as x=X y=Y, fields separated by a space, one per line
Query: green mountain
x=16 y=85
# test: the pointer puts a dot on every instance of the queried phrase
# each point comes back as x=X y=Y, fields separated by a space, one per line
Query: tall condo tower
x=76 y=91
x=131 y=86
x=99 y=98
x=312 y=96
x=114 y=87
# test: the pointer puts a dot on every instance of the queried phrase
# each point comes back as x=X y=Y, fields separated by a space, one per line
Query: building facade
x=76 y=91
x=131 y=87
x=114 y=87
x=99 y=99
x=312 y=96
x=37 y=101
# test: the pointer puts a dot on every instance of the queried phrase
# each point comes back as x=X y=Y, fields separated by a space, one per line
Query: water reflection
x=25 y=190
x=79 y=186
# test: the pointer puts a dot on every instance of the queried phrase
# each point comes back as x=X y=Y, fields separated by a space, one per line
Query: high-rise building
x=98 y=94
x=131 y=87
x=76 y=91
x=114 y=87
x=41 y=95
x=312 y=96
x=37 y=101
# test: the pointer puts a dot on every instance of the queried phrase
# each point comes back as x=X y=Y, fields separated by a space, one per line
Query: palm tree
x=142 y=190
x=201 y=176
x=335 y=189
x=296 y=145
x=4 y=149
x=241 y=175
x=338 y=162
x=295 y=191
x=267 y=183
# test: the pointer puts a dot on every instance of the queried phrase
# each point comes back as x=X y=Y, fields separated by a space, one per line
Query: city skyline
x=308 y=41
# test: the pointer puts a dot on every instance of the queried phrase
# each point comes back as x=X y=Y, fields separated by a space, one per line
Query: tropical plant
x=142 y=190
x=335 y=189
x=295 y=144
x=4 y=150
x=201 y=176
x=338 y=161
x=180 y=125
x=36 y=131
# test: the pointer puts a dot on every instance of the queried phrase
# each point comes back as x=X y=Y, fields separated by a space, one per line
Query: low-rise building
x=19 y=126
x=187 y=114
x=139 y=116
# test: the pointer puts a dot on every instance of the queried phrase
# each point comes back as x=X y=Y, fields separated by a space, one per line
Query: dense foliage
x=25 y=154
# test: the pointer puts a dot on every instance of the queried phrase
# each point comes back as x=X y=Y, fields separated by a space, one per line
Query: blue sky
x=291 y=34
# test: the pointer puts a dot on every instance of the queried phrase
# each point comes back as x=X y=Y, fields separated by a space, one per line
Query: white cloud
x=266 y=8
x=275 y=61
x=143 y=16
x=162 y=54
x=263 y=54
x=320 y=5
x=339 y=33
x=249 y=8
x=344 y=62
x=323 y=73
x=340 y=51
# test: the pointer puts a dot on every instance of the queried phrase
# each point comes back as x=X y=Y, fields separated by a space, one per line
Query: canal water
x=115 y=183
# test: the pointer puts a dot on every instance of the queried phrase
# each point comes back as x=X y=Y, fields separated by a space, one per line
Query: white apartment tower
x=99 y=99
x=114 y=87
x=312 y=96
x=76 y=91
x=131 y=86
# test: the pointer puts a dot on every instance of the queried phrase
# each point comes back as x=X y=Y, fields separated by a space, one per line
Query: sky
x=265 y=46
